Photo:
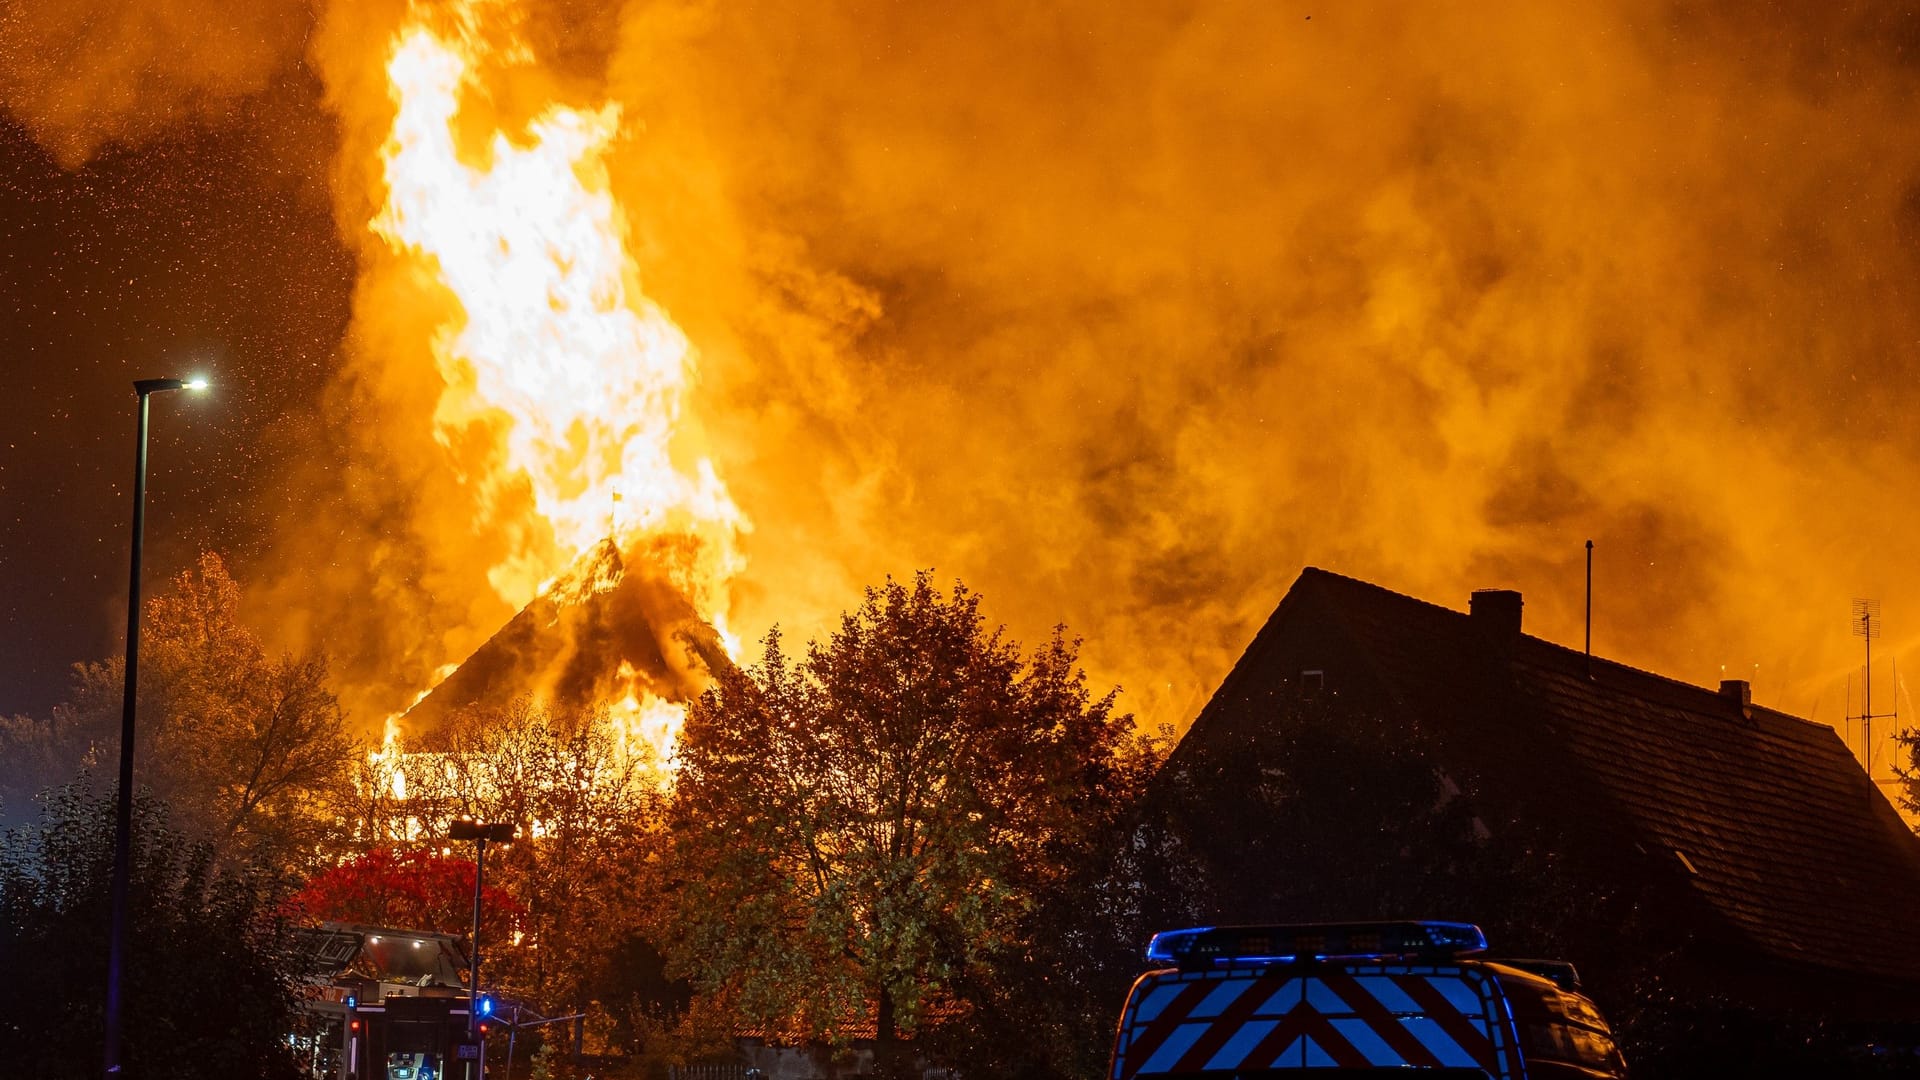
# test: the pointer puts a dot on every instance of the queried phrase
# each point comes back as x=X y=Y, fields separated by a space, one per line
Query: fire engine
x=386 y=1004
x=1402 y=997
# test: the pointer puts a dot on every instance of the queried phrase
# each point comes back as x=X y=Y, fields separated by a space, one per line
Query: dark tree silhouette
x=248 y=750
x=208 y=984
x=866 y=834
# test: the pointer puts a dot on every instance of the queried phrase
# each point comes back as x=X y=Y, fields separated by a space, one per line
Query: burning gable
x=612 y=632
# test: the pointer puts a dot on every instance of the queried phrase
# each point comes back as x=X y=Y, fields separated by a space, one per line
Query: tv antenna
x=1866 y=625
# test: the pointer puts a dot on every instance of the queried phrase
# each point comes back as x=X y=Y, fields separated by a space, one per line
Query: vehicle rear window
x=1557 y=1041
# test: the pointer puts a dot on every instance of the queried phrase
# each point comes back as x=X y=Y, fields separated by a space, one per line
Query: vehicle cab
x=1261 y=1001
x=380 y=1003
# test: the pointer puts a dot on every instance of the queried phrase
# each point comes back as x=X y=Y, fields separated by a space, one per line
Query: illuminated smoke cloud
x=1123 y=314
x=82 y=74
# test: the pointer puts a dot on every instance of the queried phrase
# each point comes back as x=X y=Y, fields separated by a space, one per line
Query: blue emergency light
x=1252 y=946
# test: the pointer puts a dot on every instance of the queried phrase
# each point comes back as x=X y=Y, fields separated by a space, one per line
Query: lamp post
x=479 y=833
x=123 y=810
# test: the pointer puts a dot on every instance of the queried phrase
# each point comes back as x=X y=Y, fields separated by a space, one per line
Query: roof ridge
x=1776 y=824
x=1565 y=650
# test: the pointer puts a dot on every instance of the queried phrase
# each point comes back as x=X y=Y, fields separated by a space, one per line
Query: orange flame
x=558 y=366
x=558 y=358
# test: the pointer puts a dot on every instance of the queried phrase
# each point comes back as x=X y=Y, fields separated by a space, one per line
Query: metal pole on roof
x=1589 y=609
x=1866 y=624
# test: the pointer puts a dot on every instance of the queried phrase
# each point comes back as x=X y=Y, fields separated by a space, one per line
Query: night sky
x=206 y=251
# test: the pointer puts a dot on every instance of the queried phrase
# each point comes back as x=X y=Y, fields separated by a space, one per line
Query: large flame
x=558 y=367
x=559 y=359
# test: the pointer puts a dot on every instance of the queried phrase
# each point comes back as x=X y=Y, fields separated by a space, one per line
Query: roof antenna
x=1589 y=609
x=1866 y=624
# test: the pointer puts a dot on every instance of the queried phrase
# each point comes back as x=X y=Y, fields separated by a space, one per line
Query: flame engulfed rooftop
x=561 y=387
x=611 y=633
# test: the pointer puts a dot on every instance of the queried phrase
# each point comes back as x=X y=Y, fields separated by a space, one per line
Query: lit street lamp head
x=143 y=387
x=469 y=829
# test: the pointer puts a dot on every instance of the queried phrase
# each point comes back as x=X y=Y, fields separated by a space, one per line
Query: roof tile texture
x=1789 y=842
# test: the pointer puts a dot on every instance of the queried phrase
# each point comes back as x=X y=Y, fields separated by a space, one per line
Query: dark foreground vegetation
x=914 y=835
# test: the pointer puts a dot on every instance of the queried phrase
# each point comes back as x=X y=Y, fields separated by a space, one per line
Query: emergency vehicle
x=1400 y=998
x=381 y=1003
x=413 y=1038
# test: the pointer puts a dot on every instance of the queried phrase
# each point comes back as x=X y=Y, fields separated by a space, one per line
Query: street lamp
x=479 y=832
x=123 y=813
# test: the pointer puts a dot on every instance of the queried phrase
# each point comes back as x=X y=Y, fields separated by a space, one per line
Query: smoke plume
x=1123 y=314
x=84 y=74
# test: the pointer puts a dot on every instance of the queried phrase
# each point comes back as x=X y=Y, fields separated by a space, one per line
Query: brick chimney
x=1496 y=611
x=1740 y=692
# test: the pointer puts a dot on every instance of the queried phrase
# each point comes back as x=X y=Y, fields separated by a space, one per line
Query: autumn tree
x=40 y=755
x=1909 y=774
x=248 y=749
x=586 y=807
x=870 y=831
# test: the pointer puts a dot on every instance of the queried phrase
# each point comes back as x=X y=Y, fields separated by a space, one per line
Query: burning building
x=560 y=390
x=607 y=634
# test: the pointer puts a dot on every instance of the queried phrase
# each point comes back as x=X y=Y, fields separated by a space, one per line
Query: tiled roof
x=1768 y=819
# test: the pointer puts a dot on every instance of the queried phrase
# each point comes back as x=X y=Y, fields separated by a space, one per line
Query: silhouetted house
x=1374 y=751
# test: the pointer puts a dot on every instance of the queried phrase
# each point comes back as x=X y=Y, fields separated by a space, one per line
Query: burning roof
x=612 y=631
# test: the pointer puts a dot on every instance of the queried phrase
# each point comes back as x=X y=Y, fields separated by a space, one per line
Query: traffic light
x=486 y=1005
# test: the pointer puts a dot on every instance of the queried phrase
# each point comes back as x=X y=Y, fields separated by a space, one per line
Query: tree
x=581 y=870
x=410 y=890
x=40 y=755
x=249 y=751
x=208 y=982
x=870 y=831
x=1909 y=740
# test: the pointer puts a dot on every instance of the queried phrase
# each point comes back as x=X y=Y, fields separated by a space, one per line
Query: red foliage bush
x=413 y=890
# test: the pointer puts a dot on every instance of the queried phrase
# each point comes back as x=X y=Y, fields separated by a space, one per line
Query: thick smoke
x=1123 y=314
x=84 y=74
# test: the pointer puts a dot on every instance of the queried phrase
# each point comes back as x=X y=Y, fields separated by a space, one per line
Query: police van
x=1401 y=998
